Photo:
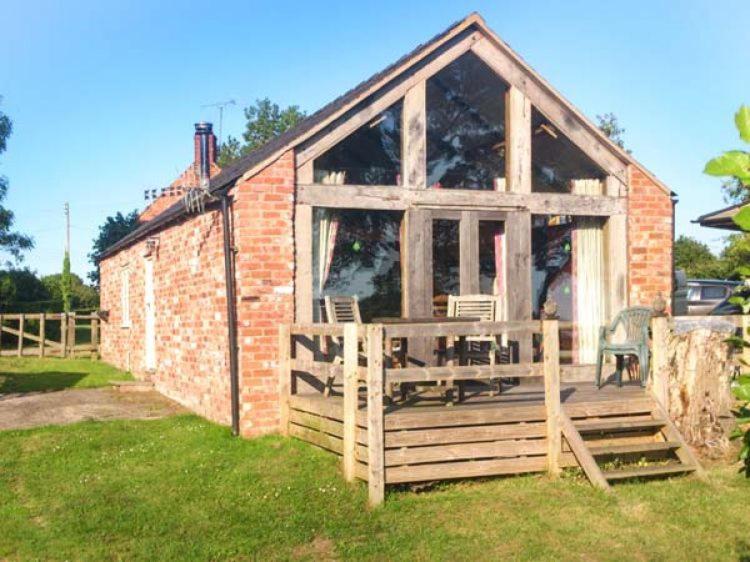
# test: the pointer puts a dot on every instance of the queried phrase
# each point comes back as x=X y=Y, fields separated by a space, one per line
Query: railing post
x=375 y=414
x=351 y=386
x=660 y=346
x=285 y=376
x=64 y=334
x=20 y=334
x=42 y=333
x=551 y=343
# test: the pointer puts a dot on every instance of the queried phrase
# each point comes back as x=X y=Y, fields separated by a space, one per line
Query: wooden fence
x=50 y=334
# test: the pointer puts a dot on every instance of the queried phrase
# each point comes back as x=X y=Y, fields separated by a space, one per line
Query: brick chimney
x=204 y=142
x=196 y=175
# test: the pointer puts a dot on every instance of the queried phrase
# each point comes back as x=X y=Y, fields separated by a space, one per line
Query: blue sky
x=104 y=95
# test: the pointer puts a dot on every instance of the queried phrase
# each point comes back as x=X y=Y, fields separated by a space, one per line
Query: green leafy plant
x=735 y=164
x=65 y=283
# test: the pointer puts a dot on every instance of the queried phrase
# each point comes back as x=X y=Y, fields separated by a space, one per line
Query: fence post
x=660 y=345
x=375 y=425
x=351 y=400
x=72 y=333
x=94 y=336
x=285 y=376
x=63 y=334
x=20 y=334
x=551 y=343
x=42 y=333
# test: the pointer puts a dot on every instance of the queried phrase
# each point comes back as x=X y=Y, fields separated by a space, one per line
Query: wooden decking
x=536 y=425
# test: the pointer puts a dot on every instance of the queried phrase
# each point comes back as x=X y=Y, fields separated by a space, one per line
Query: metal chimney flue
x=204 y=150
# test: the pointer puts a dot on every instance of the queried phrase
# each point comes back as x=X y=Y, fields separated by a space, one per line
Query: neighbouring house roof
x=264 y=155
x=721 y=218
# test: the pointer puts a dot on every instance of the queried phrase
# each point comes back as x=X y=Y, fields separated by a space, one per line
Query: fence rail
x=50 y=334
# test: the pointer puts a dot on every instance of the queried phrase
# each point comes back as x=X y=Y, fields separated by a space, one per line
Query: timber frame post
x=551 y=359
x=375 y=415
x=351 y=399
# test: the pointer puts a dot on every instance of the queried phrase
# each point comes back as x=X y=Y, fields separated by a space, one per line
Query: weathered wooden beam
x=582 y=453
x=659 y=361
x=469 y=372
x=414 y=138
x=42 y=338
x=285 y=377
x=375 y=416
x=396 y=198
x=455 y=329
x=551 y=342
x=517 y=141
x=20 y=334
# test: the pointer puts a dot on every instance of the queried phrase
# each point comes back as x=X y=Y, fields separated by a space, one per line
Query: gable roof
x=723 y=218
x=253 y=162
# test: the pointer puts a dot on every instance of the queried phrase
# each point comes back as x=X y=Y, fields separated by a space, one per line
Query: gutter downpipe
x=234 y=380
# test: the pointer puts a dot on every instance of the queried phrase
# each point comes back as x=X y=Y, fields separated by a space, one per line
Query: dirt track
x=21 y=411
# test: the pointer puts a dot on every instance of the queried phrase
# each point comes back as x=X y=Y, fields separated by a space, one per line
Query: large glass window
x=491 y=257
x=552 y=263
x=371 y=155
x=555 y=161
x=466 y=126
x=357 y=253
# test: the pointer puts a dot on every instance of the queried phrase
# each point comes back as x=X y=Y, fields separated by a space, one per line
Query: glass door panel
x=446 y=263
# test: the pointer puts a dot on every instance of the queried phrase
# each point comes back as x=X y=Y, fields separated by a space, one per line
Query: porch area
x=393 y=423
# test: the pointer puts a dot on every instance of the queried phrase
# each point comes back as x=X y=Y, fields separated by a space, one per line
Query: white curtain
x=589 y=273
x=328 y=226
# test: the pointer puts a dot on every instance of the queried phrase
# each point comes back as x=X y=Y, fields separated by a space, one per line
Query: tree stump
x=700 y=370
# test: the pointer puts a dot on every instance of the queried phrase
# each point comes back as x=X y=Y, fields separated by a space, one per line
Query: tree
x=697 y=259
x=265 y=120
x=82 y=296
x=65 y=283
x=735 y=164
x=610 y=126
x=11 y=241
x=22 y=291
x=115 y=228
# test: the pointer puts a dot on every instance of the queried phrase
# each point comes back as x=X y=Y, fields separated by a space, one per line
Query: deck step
x=599 y=426
x=632 y=448
x=647 y=471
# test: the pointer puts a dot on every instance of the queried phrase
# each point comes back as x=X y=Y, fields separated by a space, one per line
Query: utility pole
x=67 y=228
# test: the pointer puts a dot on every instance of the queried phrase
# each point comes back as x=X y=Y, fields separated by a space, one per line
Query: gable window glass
x=556 y=163
x=466 y=126
x=371 y=155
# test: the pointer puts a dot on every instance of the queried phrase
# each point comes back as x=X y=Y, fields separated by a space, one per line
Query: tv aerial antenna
x=220 y=105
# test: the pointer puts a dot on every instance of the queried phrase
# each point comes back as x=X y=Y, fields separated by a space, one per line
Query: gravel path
x=21 y=411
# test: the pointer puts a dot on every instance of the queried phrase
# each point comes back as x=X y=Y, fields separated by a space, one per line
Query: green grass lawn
x=183 y=488
x=30 y=374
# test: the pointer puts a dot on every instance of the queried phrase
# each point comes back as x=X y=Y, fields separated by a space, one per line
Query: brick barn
x=456 y=170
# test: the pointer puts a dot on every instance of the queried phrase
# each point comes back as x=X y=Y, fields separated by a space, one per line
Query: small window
x=371 y=155
x=125 y=298
x=466 y=126
x=713 y=293
x=555 y=161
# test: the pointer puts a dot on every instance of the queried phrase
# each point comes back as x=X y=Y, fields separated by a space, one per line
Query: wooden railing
x=366 y=359
x=50 y=334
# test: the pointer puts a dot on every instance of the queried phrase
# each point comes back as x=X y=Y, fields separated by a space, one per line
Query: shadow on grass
x=38 y=382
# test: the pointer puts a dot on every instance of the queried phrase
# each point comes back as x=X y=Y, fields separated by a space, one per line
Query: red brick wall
x=191 y=346
x=649 y=240
x=264 y=235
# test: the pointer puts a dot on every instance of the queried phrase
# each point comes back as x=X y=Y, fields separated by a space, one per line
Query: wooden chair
x=635 y=323
x=339 y=309
x=481 y=349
